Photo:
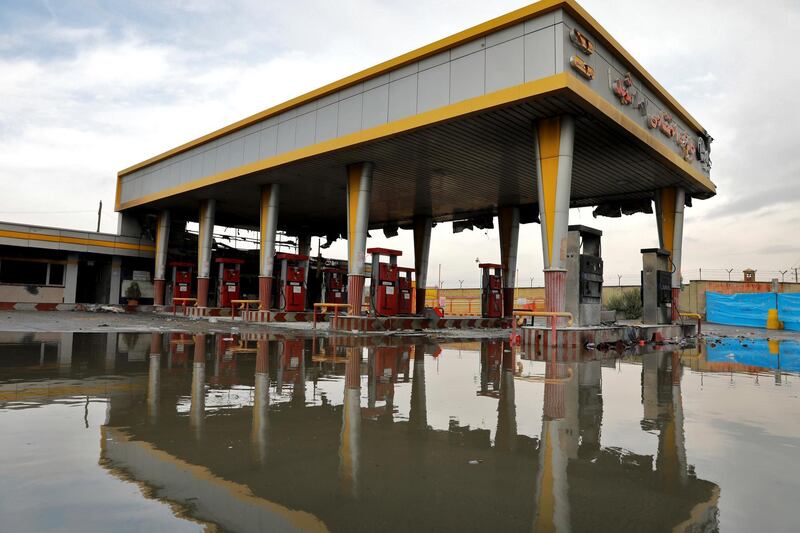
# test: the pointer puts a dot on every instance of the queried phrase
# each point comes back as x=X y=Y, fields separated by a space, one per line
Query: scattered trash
x=475 y=461
x=213 y=320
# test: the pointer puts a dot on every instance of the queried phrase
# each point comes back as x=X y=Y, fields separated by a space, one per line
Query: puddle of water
x=132 y=432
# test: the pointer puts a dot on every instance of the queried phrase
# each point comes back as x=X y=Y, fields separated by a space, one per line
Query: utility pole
x=783 y=273
x=619 y=280
x=701 y=274
x=99 y=212
x=729 y=270
x=439 y=286
x=795 y=274
x=795 y=271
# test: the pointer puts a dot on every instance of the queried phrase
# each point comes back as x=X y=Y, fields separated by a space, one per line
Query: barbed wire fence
x=627 y=279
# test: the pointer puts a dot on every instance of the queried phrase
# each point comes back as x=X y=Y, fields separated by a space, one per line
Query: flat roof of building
x=448 y=128
x=53 y=238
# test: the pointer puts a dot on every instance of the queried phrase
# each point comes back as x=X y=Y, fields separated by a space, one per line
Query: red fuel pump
x=181 y=279
x=404 y=291
x=491 y=290
x=229 y=280
x=334 y=281
x=383 y=285
x=292 y=282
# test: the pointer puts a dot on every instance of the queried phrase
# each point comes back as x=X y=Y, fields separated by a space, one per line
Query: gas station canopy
x=449 y=130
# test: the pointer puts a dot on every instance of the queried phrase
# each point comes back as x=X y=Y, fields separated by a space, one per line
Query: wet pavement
x=186 y=431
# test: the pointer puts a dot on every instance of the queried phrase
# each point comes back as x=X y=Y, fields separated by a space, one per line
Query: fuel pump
x=334 y=285
x=181 y=279
x=404 y=291
x=291 y=292
x=491 y=290
x=229 y=280
x=383 y=284
x=584 y=275
x=656 y=286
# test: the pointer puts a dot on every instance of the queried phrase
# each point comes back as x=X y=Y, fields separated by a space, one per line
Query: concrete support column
x=304 y=244
x=422 y=251
x=71 y=279
x=270 y=198
x=359 y=186
x=304 y=248
x=670 y=202
x=508 y=222
x=554 y=139
x=116 y=280
x=205 y=240
x=162 y=243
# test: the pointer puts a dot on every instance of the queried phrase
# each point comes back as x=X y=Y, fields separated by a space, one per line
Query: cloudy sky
x=88 y=88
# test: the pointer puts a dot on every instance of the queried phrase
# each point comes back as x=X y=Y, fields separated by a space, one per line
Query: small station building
x=520 y=118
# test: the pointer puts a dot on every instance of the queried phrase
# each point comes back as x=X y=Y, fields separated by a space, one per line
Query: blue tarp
x=754 y=352
x=789 y=310
x=743 y=309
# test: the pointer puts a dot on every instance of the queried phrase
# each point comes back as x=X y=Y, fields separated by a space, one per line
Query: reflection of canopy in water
x=408 y=474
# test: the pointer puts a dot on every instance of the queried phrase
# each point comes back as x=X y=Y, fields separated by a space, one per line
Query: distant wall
x=31 y=294
x=693 y=295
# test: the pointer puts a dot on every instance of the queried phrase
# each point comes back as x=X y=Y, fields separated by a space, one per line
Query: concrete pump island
x=519 y=118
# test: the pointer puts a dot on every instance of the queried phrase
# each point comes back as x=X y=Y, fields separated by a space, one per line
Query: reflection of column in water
x=260 y=431
x=111 y=351
x=671 y=440
x=299 y=391
x=372 y=380
x=65 y=352
x=663 y=411
x=774 y=347
x=418 y=413
x=506 y=408
x=558 y=443
x=590 y=405
x=154 y=377
x=351 y=424
x=198 y=405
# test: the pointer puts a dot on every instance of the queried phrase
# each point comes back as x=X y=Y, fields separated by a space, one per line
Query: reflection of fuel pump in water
x=229 y=281
x=491 y=359
x=179 y=348
x=383 y=283
x=291 y=294
x=181 y=280
x=491 y=290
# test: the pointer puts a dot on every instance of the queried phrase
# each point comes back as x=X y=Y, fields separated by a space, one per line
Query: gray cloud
x=87 y=91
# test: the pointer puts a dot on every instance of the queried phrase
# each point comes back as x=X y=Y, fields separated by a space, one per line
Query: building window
x=56 y=274
x=23 y=272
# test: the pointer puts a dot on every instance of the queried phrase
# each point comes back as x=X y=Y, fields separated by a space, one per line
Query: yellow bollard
x=772 y=320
